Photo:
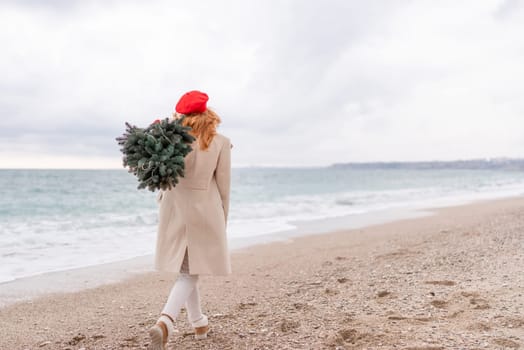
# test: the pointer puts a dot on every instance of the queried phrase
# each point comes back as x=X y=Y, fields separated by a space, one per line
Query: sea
x=53 y=220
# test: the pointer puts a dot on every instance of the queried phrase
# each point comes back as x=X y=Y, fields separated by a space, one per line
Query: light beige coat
x=193 y=215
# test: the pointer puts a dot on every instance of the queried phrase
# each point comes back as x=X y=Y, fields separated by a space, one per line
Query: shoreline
x=30 y=287
x=80 y=278
x=447 y=281
x=31 y=251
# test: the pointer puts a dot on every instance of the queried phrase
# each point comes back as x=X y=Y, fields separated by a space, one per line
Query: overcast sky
x=295 y=82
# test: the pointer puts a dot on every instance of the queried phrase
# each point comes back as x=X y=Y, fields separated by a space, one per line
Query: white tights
x=184 y=292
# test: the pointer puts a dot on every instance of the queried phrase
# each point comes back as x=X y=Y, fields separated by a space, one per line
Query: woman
x=192 y=220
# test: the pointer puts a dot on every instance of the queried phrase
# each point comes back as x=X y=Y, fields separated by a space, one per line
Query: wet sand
x=450 y=281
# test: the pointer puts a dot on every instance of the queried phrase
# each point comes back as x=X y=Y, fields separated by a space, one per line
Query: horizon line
x=243 y=166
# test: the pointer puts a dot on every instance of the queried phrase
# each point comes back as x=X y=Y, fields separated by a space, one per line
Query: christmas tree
x=155 y=155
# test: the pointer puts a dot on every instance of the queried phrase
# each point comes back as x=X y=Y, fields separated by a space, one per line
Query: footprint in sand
x=76 y=339
x=351 y=336
x=396 y=317
x=513 y=322
x=288 y=325
x=456 y=313
x=244 y=306
x=383 y=293
x=441 y=304
x=481 y=326
x=441 y=283
x=506 y=343
x=303 y=306
x=475 y=300
x=479 y=303
x=329 y=291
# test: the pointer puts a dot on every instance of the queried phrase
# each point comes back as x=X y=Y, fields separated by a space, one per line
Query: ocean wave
x=44 y=236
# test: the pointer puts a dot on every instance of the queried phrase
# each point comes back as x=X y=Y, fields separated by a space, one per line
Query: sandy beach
x=453 y=280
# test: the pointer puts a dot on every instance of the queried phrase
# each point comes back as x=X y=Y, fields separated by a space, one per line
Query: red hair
x=203 y=126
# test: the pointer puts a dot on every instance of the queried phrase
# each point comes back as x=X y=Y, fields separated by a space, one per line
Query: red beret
x=192 y=102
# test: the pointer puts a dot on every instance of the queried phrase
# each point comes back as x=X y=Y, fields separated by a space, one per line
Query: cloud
x=296 y=83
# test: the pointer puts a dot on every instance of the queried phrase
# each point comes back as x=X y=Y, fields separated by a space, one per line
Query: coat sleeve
x=223 y=175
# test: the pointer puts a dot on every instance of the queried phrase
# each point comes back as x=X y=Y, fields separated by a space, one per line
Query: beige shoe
x=160 y=333
x=201 y=328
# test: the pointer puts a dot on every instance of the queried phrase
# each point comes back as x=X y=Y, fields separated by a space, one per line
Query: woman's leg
x=194 y=311
x=163 y=329
x=185 y=286
x=185 y=291
x=195 y=316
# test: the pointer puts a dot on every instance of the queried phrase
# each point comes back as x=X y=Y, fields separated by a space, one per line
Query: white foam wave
x=33 y=245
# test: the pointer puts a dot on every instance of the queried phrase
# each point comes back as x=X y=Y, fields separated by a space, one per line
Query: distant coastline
x=469 y=164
